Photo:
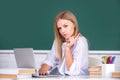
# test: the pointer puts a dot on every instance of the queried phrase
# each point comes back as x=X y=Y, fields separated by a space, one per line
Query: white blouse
x=80 y=56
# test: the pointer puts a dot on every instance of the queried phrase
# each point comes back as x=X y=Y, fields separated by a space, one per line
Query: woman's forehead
x=63 y=21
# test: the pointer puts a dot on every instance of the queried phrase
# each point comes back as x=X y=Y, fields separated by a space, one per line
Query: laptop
x=25 y=59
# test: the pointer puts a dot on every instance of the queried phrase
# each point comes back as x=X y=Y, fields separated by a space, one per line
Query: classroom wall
x=29 y=23
x=7 y=58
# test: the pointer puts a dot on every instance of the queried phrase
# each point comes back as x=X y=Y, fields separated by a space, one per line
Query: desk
x=73 y=78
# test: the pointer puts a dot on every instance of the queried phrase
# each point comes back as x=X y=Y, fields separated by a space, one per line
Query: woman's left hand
x=71 y=41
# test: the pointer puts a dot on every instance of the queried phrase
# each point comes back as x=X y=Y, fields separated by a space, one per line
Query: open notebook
x=25 y=59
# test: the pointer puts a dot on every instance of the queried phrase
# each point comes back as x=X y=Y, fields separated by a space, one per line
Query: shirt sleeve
x=80 y=56
x=51 y=59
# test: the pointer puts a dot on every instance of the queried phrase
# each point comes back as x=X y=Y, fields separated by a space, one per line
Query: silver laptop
x=24 y=57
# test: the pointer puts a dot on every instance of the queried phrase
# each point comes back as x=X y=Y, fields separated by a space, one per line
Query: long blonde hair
x=58 y=38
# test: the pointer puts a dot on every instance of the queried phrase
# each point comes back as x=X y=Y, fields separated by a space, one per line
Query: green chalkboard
x=29 y=23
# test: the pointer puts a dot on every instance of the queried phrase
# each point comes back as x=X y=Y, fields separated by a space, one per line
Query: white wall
x=7 y=59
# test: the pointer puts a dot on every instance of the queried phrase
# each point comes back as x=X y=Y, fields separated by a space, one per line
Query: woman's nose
x=63 y=30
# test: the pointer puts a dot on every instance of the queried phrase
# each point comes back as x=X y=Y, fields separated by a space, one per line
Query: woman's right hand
x=44 y=69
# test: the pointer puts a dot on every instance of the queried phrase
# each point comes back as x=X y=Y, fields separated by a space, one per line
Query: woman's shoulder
x=82 y=38
x=81 y=42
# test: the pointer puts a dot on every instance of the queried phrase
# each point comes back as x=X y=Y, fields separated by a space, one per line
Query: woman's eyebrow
x=65 y=24
x=58 y=27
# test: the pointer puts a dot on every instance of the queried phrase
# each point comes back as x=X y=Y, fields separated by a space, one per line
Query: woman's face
x=65 y=27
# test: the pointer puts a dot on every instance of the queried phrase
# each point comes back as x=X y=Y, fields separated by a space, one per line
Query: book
x=94 y=68
x=16 y=73
x=15 y=76
x=95 y=71
x=116 y=74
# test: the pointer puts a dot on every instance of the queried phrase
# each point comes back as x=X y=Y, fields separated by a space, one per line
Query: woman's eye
x=59 y=28
x=65 y=25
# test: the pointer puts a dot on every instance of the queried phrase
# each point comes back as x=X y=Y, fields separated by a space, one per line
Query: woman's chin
x=66 y=38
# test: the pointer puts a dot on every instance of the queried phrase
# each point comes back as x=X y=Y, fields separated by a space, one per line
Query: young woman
x=69 y=53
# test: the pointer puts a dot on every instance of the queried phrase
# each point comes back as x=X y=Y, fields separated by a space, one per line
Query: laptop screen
x=24 y=57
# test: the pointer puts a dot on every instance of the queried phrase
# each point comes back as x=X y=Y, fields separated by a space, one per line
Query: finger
x=40 y=73
x=46 y=73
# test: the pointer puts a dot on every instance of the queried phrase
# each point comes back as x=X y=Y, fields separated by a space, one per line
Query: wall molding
x=91 y=52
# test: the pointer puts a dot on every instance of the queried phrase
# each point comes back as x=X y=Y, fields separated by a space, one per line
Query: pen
x=113 y=59
x=108 y=60
x=102 y=62
x=104 y=59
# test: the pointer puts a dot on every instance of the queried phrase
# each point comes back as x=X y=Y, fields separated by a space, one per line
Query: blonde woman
x=69 y=53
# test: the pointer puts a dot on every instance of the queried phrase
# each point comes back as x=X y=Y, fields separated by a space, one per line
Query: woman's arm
x=68 y=58
x=68 y=54
x=49 y=63
x=79 y=57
